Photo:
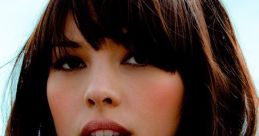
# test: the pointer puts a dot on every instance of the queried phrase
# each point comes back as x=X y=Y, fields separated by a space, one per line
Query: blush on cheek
x=60 y=101
x=166 y=97
x=159 y=102
x=163 y=93
x=167 y=90
x=64 y=110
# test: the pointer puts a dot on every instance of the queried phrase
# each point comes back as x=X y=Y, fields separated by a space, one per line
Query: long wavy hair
x=194 y=37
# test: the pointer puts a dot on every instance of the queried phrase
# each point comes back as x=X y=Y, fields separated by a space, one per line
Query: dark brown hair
x=193 y=37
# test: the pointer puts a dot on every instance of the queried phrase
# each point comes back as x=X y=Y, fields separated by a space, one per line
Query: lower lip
x=96 y=125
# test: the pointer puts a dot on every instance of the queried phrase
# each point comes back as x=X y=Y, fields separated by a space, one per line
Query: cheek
x=163 y=95
x=63 y=102
x=166 y=90
x=158 y=103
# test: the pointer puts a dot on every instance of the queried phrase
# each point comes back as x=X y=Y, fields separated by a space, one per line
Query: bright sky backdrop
x=18 y=19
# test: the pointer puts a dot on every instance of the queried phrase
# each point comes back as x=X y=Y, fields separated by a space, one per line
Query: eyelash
x=71 y=63
x=129 y=57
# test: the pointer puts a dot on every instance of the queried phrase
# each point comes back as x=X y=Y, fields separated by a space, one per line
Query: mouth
x=104 y=128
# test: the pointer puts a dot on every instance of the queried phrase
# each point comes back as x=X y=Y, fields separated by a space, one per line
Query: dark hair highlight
x=193 y=37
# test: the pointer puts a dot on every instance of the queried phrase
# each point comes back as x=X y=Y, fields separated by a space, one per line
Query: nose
x=101 y=91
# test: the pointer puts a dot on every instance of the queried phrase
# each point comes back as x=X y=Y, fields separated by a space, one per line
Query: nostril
x=91 y=102
x=107 y=101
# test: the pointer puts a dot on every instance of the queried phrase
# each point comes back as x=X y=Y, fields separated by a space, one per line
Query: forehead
x=137 y=27
x=72 y=33
x=71 y=30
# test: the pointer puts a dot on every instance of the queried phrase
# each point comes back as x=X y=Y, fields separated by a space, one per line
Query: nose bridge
x=101 y=89
x=101 y=79
x=102 y=71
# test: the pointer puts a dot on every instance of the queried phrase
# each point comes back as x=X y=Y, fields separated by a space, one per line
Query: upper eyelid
x=68 y=47
x=65 y=48
x=127 y=56
x=63 y=60
x=66 y=57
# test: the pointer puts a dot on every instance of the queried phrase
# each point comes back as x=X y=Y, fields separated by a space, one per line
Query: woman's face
x=106 y=93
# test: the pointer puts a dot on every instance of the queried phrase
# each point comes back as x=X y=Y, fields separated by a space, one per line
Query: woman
x=133 y=68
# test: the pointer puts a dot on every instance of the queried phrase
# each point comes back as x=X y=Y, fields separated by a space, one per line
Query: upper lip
x=104 y=124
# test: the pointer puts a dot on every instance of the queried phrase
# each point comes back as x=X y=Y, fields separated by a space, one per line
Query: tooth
x=108 y=132
x=99 y=133
x=93 y=134
x=116 y=134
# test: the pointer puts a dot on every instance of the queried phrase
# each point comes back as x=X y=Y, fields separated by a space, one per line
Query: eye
x=133 y=60
x=69 y=63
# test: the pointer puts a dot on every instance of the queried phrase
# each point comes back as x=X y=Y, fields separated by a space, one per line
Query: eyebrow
x=68 y=44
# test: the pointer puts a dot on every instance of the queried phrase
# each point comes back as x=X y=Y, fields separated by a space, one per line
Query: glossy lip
x=103 y=124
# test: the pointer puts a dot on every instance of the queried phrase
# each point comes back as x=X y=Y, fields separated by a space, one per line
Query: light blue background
x=18 y=19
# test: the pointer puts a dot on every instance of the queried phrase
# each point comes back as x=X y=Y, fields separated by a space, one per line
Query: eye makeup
x=69 y=63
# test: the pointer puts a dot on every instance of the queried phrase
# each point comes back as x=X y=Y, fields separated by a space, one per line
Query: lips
x=104 y=128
